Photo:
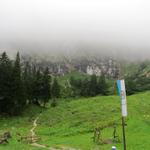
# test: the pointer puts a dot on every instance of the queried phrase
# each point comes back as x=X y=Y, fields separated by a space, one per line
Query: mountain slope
x=72 y=122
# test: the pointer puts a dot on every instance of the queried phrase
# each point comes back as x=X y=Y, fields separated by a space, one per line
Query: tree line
x=21 y=85
x=89 y=86
x=139 y=80
x=25 y=84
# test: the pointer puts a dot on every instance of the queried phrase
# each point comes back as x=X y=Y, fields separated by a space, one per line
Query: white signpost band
x=123 y=99
x=122 y=92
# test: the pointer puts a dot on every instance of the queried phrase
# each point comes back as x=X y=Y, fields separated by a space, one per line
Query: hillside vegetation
x=72 y=122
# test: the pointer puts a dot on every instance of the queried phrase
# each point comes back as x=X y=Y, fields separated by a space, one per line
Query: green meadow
x=71 y=124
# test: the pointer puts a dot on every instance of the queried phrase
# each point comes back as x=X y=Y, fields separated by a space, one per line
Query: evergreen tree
x=141 y=83
x=55 y=89
x=76 y=85
x=72 y=82
x=37 y=87
x=28 y=82
x=93 y=86
x=102 y=85
x=85 y=88
x=46 y=86
x=18 y=96
x=130 y=85
x=5 y=84
x=55 y=92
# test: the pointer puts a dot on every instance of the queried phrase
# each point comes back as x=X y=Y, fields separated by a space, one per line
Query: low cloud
x=73 y=28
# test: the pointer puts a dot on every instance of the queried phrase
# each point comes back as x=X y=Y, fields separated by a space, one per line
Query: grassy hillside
x=71 y=123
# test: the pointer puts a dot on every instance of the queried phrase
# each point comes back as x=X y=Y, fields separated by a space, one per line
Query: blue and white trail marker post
x=122 y=93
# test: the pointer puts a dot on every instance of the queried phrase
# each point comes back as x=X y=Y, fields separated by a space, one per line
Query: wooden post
x=123 y=131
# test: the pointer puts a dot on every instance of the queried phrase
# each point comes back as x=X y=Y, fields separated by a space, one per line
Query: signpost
x=122 y=93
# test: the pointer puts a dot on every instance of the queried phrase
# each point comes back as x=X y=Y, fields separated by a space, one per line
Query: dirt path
x=35 y=144
x=33 y=135
x=34 y=126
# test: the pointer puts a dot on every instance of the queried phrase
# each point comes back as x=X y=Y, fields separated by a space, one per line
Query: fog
x=119 y=28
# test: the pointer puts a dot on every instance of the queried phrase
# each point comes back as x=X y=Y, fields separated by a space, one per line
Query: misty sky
x=115 y=27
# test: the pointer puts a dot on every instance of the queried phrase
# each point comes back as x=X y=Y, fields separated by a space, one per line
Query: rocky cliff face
x=107 y=66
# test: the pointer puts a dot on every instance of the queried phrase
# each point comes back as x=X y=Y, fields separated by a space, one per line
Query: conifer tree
x=55 y=89
x=5 y=84
x=76 y=85
x=37 y=87
x=28 y=82
x=102 y=85
x=55 y=92
x=18 y=96
x=85 y=88
x=46 y=86
x=93 y=85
